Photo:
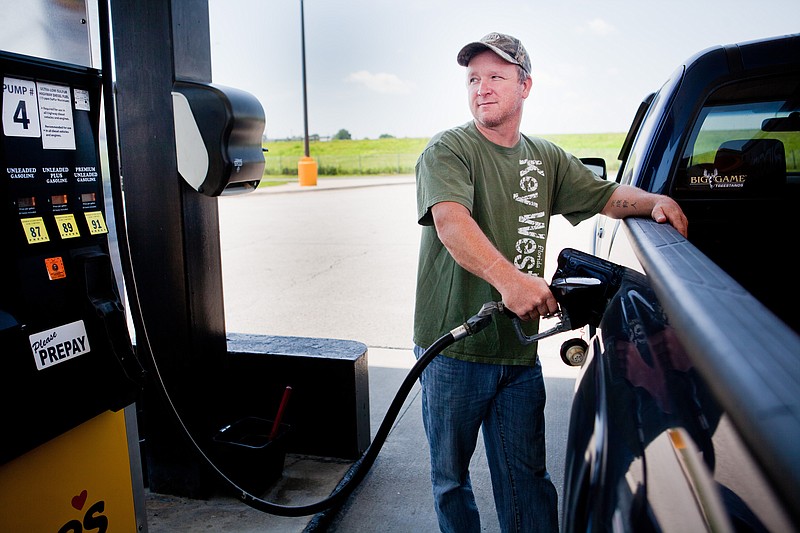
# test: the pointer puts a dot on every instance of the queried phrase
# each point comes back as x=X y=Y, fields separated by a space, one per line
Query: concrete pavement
x=338 y=260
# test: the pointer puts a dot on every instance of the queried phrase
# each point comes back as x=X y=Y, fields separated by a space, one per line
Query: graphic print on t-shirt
x=532 y=228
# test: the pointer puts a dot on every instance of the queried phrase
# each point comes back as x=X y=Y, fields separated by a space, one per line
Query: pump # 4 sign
x=59 y=344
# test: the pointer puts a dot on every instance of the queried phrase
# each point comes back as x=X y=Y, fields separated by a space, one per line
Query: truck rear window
x=745 y=142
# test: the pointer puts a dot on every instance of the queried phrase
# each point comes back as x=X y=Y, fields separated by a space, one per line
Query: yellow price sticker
x=96 y=223
x=34 y=230
x=67 y=226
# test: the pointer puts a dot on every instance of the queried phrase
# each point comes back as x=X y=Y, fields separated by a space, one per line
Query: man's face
x=495 y=92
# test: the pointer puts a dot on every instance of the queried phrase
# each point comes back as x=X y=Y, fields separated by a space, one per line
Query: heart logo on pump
x=79 y=500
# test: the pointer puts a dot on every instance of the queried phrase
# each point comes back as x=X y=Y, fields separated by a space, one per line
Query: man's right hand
x=529 y=297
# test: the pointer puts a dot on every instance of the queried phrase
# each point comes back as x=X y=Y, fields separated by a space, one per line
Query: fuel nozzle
x=582 y=286
x=561 y=287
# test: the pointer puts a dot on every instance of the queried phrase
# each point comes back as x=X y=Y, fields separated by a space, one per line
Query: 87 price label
x=67 y=226
x=96 y=223
x=34 y=230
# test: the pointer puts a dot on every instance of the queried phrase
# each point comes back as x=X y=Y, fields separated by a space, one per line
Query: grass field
x=398 y=156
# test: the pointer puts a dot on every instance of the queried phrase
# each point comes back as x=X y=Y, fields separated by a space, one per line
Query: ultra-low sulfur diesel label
x=59 y=344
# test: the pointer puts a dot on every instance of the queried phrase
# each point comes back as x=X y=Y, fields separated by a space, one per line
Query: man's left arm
x=629 y=201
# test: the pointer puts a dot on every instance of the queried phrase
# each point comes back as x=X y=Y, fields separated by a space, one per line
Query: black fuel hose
x=355 y=474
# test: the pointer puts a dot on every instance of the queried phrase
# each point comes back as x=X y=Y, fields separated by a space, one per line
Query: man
x=485 y=195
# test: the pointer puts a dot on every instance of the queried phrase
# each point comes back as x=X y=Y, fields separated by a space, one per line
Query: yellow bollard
x=307 y=171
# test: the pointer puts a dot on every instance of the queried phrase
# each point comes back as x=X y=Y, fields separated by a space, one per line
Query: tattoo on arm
x=623 y=203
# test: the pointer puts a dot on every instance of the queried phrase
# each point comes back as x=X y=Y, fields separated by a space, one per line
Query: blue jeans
x=458 y=398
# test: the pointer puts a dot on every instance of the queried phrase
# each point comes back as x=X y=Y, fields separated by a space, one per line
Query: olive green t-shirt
x=511 y=193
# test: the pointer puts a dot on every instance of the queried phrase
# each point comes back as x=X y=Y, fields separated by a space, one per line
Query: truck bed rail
x=747 y=355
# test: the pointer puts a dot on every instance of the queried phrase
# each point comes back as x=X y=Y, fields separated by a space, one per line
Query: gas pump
x=70 y=374
x=62 y=312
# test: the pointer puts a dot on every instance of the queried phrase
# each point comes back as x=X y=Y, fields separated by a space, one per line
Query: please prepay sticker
x=59 y=344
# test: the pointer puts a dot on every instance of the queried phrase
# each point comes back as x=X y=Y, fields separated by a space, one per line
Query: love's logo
x=93 y=519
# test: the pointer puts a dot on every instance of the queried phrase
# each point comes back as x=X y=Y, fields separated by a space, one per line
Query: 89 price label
x=67 y=226
x=34 y=230
x=96 y=223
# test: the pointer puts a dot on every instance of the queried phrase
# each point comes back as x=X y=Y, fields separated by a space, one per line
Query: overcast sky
x=388 y=66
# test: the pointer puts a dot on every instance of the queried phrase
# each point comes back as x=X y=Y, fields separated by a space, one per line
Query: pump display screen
x=26 y=202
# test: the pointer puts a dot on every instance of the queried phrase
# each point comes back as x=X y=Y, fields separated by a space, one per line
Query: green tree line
x=389 y=155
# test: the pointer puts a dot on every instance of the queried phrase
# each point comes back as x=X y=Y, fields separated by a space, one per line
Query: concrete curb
x=337 y=183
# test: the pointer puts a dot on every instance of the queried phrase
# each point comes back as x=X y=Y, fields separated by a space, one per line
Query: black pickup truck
x=686 y=414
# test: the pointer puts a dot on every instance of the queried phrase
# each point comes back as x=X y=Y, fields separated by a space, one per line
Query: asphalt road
x=335 y=260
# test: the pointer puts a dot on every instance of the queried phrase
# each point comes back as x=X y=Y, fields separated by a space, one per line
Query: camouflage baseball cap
x=505 y=46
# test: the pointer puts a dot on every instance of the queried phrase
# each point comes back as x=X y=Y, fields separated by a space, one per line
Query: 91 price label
x=96 y=223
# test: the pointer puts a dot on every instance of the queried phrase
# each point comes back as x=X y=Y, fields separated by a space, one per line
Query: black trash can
x=247 y=455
